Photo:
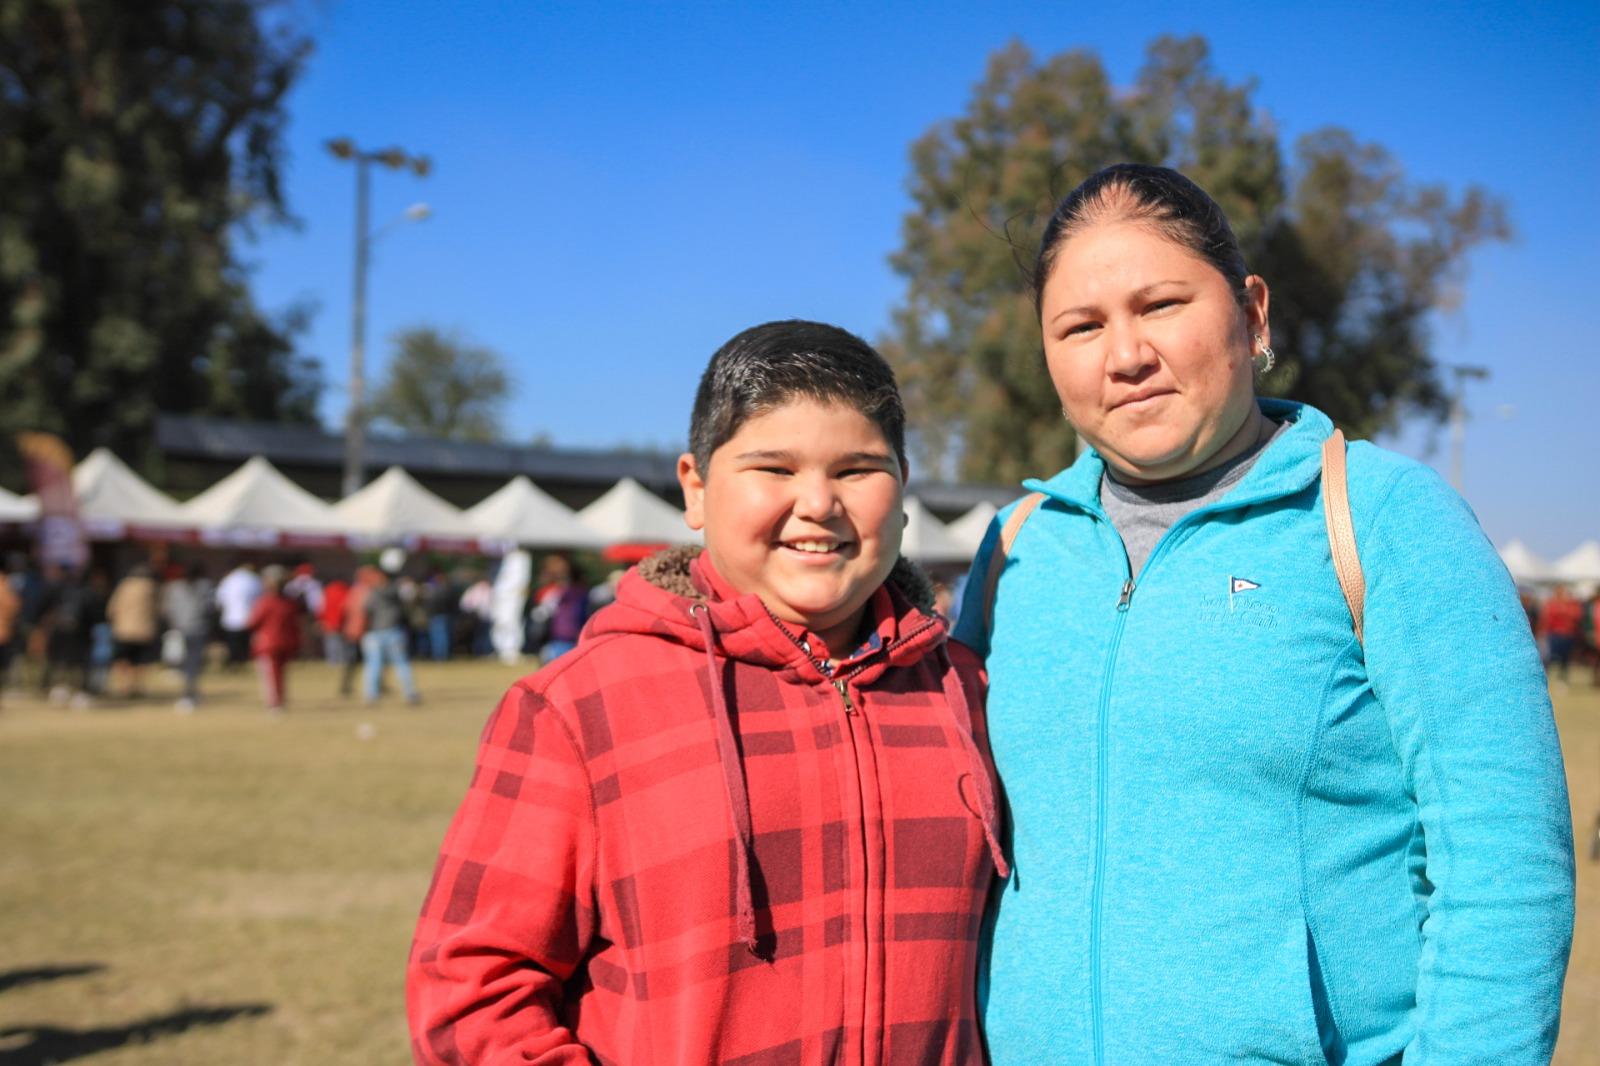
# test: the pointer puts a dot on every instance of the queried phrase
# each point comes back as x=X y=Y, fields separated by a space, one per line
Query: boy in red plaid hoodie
x=751 y=818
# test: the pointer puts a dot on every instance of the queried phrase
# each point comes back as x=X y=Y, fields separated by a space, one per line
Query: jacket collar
x=1289 y=465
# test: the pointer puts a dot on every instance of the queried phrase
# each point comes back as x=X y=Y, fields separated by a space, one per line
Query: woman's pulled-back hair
x=766 y=366
x=1159 y=197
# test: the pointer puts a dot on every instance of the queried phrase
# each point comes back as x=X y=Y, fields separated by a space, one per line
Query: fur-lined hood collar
x=658 y=596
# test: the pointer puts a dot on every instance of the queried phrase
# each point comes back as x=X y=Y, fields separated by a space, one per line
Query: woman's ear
x=1255 y=308
x=694 y=491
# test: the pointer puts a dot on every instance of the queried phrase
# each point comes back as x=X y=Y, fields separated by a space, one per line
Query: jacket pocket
x=1328 y=1035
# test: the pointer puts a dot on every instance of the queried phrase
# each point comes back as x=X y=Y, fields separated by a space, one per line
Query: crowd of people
x=78 y=635
x=1568 y=628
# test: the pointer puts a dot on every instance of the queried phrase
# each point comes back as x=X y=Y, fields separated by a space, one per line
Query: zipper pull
x=844 y=694
x=1127 y=594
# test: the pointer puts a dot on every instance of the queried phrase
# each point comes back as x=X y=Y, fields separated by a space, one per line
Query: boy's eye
x=781 y=470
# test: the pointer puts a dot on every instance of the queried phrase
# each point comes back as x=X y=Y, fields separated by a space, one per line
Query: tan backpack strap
x=997 y=558
x=1341 y=529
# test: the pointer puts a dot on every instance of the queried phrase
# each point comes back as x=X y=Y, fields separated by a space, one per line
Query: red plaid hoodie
x=688 y=841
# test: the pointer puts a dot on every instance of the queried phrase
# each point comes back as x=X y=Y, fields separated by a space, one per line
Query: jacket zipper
x=1102 y=761
x=1102 y=769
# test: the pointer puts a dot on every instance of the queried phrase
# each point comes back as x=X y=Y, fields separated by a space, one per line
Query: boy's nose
x=815 y=499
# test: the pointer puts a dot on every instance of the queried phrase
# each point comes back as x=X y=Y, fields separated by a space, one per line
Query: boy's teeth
x=811 y=545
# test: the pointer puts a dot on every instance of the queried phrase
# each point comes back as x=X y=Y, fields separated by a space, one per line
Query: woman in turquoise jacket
x=1241 y=833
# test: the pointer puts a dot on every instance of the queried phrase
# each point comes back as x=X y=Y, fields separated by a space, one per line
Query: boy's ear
x=694 y=492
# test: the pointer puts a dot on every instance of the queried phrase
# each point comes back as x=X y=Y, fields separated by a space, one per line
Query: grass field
x=230 y=888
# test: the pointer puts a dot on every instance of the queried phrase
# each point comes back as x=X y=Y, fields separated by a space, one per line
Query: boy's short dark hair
x=768 y=365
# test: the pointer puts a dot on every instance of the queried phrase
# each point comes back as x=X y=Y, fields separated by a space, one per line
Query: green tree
x=1356 y=255
x=136 y=142
x=440 y=385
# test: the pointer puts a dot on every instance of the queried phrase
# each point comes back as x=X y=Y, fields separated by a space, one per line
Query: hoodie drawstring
x=733 y=783
x=955 y=697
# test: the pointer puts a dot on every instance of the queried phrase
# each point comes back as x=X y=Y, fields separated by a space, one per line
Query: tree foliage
x=136 y=141
x=1356 y=255
x=439 y=385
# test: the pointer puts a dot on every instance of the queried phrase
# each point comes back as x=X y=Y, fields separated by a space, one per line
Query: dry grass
x=229 y=888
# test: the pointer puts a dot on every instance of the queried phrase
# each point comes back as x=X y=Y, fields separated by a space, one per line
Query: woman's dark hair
x=766 y=366
x=1160 y=197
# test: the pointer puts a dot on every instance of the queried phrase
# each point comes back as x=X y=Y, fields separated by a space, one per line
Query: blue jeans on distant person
x=386 y=646
x=555 y=649
x=439 y=636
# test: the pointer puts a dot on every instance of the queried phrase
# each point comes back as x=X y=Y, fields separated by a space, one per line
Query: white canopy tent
x=1526 y=568
x=256 y=504
x=968 y=530
x=14 y=508
x=393 y=507
x=1580 y=566
x=520 y=512
x=926 y=540
x=629 y=513
x=112 y=498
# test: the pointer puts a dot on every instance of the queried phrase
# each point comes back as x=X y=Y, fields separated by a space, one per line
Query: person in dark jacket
x=560 y=607
x=69 y=610
x=186 y=606
x=385 y=639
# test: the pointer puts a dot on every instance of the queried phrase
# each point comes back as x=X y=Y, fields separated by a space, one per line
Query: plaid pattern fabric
x=583 y=908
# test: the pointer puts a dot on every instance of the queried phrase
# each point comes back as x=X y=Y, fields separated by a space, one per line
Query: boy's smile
x=803 y=507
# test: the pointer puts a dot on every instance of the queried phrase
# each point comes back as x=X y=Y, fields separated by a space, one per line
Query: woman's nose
x=1129 y=354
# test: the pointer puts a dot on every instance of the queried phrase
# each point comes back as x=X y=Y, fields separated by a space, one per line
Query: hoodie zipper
x=848 y=735
x=844 y=694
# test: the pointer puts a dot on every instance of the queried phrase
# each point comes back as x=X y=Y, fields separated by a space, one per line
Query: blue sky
x=621 y=187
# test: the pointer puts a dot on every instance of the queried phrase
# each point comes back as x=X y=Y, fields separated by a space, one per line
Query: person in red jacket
x=274 y=627
x=1560 y=620
x=751 y=817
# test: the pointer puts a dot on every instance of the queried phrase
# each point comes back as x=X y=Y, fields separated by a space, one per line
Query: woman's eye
x=1081 y=329
x=1161 y=305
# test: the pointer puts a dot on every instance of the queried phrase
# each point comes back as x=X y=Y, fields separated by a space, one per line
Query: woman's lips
x=1141 y=400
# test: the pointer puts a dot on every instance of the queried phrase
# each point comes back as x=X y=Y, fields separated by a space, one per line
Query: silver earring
x=1266 y=357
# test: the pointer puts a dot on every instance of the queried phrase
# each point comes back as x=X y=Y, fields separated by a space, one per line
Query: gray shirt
x=1142 y=514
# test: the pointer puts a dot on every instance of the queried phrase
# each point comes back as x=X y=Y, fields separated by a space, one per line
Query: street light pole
x=1458 y=419
x=355 y=418
x=355 y=434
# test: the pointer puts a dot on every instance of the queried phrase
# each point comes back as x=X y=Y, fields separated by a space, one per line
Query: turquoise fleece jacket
x=1240 y=835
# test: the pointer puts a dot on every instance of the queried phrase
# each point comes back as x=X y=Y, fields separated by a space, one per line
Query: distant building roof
x=230 y=440
x=463 y=470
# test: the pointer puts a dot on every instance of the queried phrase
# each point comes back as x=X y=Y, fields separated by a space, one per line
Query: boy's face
x=803 y=507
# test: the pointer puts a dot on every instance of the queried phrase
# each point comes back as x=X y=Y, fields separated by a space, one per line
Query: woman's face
x=1148 y=349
